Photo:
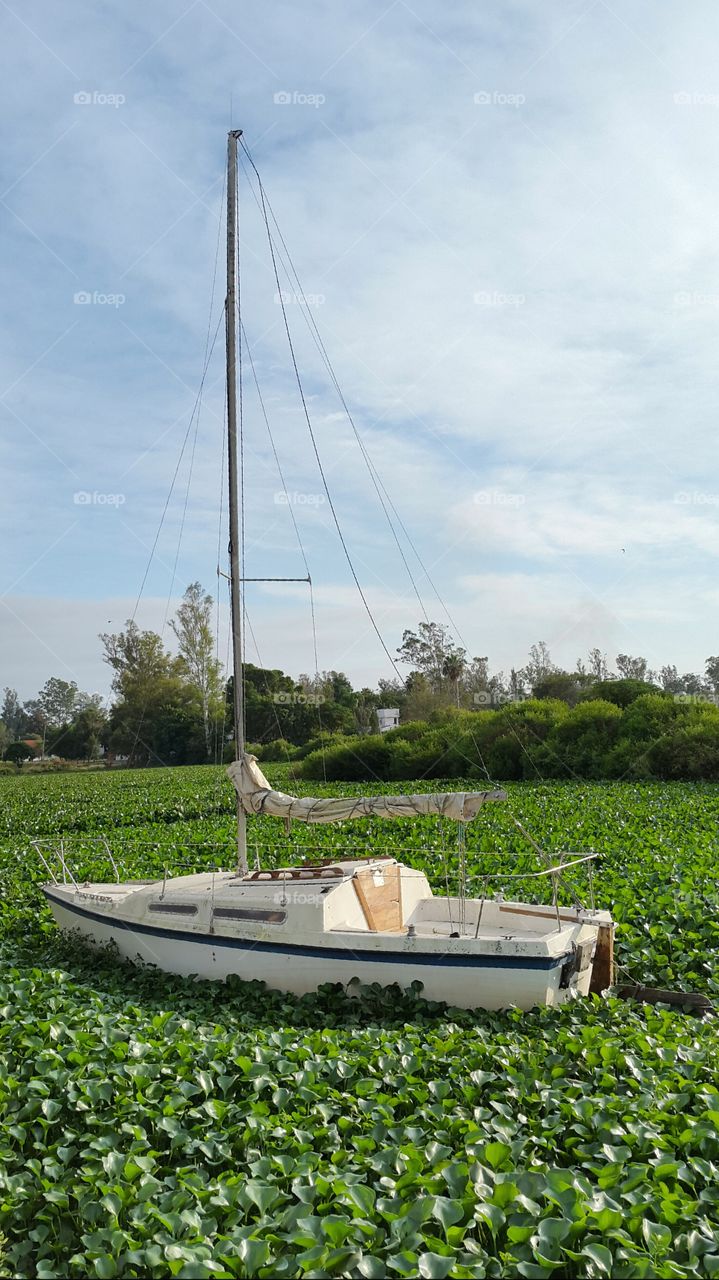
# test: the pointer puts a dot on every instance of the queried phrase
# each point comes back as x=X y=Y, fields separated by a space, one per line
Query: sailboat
x=355 y=921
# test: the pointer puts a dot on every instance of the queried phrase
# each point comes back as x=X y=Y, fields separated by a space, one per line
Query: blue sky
x=505 y=218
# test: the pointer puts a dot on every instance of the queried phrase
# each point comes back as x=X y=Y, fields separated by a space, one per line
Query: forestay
x=257 y=797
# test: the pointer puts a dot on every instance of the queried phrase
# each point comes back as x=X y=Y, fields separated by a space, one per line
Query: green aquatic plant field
x=155 y=1127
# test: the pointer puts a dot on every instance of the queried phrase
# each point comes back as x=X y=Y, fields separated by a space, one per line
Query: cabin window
x=174 y=908
x=246 y=913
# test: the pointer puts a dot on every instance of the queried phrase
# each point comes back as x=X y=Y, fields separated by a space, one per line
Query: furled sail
x=256 y=796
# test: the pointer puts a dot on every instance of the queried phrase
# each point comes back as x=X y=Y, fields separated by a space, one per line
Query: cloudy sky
x=504 y=220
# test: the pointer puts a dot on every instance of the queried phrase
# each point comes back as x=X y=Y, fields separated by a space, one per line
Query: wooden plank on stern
x=603 y=966
x=381 y=903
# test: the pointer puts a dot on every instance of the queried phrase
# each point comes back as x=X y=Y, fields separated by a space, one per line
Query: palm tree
x=453 y=670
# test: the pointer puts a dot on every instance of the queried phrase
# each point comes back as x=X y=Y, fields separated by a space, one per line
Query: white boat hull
x=458 y=972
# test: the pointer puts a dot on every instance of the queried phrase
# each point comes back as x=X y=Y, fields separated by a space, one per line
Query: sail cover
x=256 y=796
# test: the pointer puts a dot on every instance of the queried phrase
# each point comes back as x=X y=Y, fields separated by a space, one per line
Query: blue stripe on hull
x=325 y=953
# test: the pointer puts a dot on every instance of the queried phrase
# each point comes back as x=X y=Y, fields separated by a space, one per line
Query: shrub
x=318 y=743
x=690 y=752
x=356 y=759
x=654 y=736
x=650 y=716
x=505 y=759
x=620 y=692
x=581 y=741
x=408 y=732
x=278 y=750
x=17 y=752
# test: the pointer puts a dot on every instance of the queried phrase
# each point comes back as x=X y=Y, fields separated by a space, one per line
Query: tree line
x=177 y=707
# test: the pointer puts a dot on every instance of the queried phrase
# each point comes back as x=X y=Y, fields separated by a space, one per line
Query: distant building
x=387 y=718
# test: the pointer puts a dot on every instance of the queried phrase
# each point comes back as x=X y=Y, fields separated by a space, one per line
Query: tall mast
x=232 y=452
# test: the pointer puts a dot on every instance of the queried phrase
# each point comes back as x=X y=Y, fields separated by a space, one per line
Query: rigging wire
x=422 y=565
x=205 y=361
x=379 y=486
x=220 y=726
x=245 y=620
x=182 y=524
x=296 y=529
x=280 y=473
x=310 y=428
x=317 y=338
x=159 y=529
x=264 y=205
x=194 y=416
x=374 y=474
x=176 y=471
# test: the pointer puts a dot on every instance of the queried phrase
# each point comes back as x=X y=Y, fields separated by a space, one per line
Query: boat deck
x=444 y=924
x=441 y=929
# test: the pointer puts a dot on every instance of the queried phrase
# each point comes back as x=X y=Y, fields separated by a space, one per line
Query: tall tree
x=420 y=699
x=693 y=683
x=137 y=657
x=82 y=739
x=427 y=650
x=517 y=686
x=192 y=626
x=540 y=664
x=11 y=713
x=598 y=667
x=479 y=686
x=453 y=669
x=58 y=700
x=712 y=673
x=670 y=680
x=155 y=718
x=390 y=693
x=365 y=711
x=633 y=668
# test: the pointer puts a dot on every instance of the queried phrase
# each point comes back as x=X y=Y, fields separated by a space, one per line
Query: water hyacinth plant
x=151 y=1126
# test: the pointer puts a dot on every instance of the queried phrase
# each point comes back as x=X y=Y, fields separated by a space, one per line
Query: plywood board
x=603 y=967
x=381 y=903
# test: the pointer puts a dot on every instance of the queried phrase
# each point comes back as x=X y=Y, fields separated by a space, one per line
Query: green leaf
x=254 y=1254
x=657 y=1236
x=497 y=1154
x=371 y=1268
x=433 y=1266
x=600 y=1257
x=405 y=1263
x=105 y=1266
x=362 y=1197
x=262 y=1194
x=447 y=1211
